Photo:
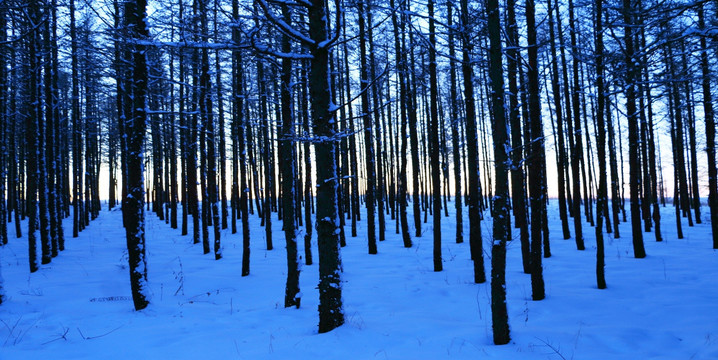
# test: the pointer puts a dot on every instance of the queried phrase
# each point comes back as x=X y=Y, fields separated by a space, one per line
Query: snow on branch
x=285 y=28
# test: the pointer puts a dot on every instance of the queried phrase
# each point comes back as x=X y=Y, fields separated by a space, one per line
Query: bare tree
x=501 y=227
x=135 y=13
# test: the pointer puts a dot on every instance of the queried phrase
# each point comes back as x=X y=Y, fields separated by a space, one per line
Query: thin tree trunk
x=518 y=190
x=308 y=171
x=454 y=114
x=602 y=196
x=709 y=114
x=537 y=166
x=634 y=165
x=501 y=226
x=241 y=123
x=366 y=115
x=380 y=180
x=561 y=162
x=287 y=167
x=405 y=104
x=212 y=189
x=475 y=241
x=434 y=140
x=577 y=152
x=31 y=138
x=222 y=146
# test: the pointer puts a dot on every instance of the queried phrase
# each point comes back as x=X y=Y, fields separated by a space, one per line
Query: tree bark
x=434 y=140
x=709 y=114
x=475 y=241
x=634 y=165
x=366 y=115
x=561 y=162
x=537 y=164
x=501 y=227
x=331 y=313
x=135 y=13
x=602 y=196
x=287 y=167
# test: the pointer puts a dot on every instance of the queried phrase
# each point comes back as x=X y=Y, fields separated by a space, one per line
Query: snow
x=396 y=306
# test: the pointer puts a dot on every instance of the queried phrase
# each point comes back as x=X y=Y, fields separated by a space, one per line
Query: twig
x=11 y=329
x=63 y=336
x=98 y=336
x=552 y=348
x=22 y=334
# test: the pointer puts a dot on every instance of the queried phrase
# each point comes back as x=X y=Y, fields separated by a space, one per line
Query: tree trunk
x=405 y=103
x=518 y=188
x=475 y=241
x=634 y=165
x=501 y=227
x=222 y=146
x=413 y=133
x=308 y=173
x=366 y=115
x=212 y=190
x=602 y=196
x=710 y=131
x=537 y=166
x=577 y=153
x=380 y=174
x=240 y=123
x=4 y=121
x=287 y=167
x=331 y=313
x=135 y=13
x=454 y=115
x=434 y=140
x=264 y=128
x=31 y=137
x=561 y=162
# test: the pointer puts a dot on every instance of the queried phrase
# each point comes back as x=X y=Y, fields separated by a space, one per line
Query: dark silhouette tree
x=537 y=165
x=370 y=165
x=629 y=10
x=602 y=195
x=501 y=227
x=709 y=114
x=434 y=140
x=287 y=167
x=135 y=13
x=475 y=240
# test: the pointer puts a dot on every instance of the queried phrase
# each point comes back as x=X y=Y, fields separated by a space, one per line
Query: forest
x=305 y=127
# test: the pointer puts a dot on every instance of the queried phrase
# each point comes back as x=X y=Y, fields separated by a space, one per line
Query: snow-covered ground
x=78 y=307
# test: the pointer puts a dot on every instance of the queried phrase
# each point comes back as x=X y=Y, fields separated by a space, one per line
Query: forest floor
x=79 y=307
